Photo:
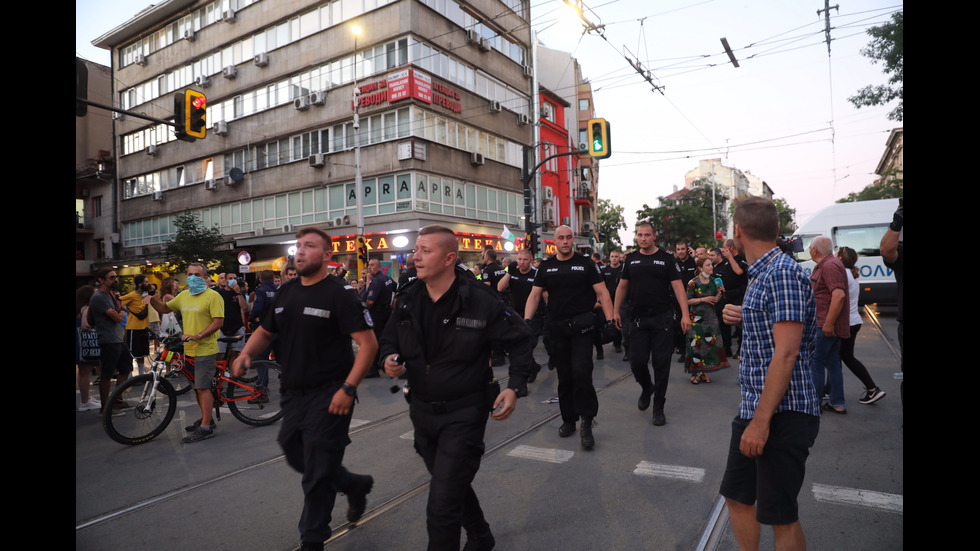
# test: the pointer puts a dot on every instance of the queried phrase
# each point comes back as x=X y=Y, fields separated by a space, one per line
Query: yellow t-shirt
x=133 y=302
x=197 y=312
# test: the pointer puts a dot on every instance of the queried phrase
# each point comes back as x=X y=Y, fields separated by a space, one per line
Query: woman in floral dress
x=705 y=351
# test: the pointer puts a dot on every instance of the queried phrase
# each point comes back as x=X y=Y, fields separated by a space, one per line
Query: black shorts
x=139 y=342
x=776 y=476
x=115 y=360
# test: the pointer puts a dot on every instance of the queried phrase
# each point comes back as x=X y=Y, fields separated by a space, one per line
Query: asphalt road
x=642 y=487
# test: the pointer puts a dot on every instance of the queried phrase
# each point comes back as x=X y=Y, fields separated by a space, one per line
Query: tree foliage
x=787 y=216
x=889 y=187
x=687 y=218
x=195 y=243
x=610 y=220
x=885 y=47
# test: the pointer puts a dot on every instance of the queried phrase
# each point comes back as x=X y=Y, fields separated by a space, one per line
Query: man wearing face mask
x=203 y=314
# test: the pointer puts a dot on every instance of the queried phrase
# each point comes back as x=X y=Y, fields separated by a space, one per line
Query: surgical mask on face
x=196 y=285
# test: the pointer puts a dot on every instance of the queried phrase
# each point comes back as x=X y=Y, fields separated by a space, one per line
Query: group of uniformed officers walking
x=443 y=327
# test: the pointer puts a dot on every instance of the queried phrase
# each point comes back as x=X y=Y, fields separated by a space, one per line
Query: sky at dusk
x=783 y=114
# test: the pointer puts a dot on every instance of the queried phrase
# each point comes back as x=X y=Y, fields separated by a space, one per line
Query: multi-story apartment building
x=95 y=209
x=443 y=107
x=569 y=105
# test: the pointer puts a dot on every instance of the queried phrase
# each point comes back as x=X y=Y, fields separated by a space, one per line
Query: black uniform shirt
x=520 y=286
x=380 y=292
x=313 y=324
x=689 y=269
x=569 y=285
x=611 y=276
x=650 y=277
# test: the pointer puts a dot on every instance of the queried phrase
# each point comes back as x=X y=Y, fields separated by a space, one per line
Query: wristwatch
x=350 y=390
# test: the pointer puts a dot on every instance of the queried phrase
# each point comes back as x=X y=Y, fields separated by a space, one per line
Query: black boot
x=588 y=441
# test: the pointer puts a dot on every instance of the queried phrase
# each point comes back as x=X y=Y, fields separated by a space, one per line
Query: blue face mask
x=196 y=285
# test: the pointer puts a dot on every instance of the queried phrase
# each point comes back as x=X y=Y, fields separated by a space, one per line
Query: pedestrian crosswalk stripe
x=541 y=454
x=410 y=435
x=358 y=422
x=859 y=498
x=691 y=474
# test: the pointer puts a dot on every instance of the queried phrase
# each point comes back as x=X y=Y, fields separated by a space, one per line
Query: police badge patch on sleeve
x=367 y=318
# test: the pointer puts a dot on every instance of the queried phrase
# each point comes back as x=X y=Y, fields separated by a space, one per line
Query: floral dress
x=705 y=350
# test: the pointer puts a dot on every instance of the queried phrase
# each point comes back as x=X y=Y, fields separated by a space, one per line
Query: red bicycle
x=143 y=406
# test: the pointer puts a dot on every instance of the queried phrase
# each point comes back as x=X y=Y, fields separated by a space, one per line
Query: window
x=583 y=105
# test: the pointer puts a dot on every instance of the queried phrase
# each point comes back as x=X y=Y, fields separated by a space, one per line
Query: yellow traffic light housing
x=190 y=115
x=598 y=135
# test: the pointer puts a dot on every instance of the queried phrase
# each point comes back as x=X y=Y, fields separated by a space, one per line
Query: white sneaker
x=93 y=403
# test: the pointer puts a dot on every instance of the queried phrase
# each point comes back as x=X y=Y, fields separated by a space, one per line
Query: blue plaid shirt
x=778 y=290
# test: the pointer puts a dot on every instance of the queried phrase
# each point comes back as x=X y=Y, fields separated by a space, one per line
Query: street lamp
x=358 y=186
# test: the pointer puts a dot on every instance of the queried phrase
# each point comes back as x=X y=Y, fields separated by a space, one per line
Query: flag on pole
x=507 y=236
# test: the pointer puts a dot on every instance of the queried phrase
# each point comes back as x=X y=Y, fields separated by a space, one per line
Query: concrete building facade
x=443 y=91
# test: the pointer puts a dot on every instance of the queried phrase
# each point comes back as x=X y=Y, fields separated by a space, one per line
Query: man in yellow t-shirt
x=135 y=303
x=203 y=313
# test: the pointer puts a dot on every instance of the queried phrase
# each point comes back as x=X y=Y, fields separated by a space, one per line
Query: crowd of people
x=443 y=327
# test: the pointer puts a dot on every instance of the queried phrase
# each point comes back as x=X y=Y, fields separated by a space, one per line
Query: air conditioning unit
x=472 y=35
x=546 y=111
x=153 y=150
x=548 y=212
x=140 y=251
x=318 y=98
x=484 y=44
x=190 y=35
x=523 y=119
x=338 y=221
x=211 y=185
x=287 y=228
x=229 y=72
x=261 y=60
x=302 y=103
x=567 y=220
x=202 y=81
x=228 y=16
x=158 y=196
x=587 y=227
x=494 y=106
x=547 y=193
x=528 y=70
x=317 y=160
x=221 y=128
x=118 y=116
x=476 y=159
x=348 y=220
x=259 y=231
x=140 y=59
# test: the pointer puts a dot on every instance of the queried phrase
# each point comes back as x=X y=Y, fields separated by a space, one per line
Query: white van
x=860 y=226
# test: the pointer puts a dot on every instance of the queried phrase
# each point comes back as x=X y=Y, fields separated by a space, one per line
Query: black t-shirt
x=569 y=285
x=380 y=292
x=688 y=268
x=650 y=277
x=406 y=277
x=520 y=286
x=493 y=273
x=734 y=284
x=233 y=312
x=611 y=276
x=313 y=324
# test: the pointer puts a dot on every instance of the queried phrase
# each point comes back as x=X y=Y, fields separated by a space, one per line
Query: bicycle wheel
x=177 y=378
x=253 y=404
x=145 y=414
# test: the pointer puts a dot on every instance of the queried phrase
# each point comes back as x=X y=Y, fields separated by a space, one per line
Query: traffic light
x=598 y=134
x=190 y=115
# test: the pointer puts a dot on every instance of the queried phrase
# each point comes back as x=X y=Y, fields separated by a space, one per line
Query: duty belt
x=447 y=406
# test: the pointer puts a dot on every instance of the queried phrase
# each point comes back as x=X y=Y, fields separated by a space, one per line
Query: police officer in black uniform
x=689 y=269
x=573 y=282
x=315 y=319
x=519 y=280
x=611 y=273
x=439 y=336
x=493 y=272
x=380 y=290
x=650 y=278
